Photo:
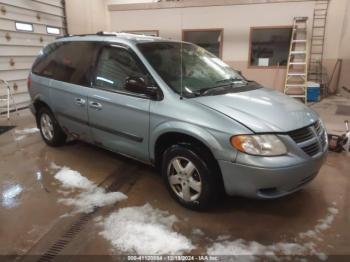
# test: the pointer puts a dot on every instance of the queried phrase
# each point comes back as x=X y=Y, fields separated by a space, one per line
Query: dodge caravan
x=206 y=128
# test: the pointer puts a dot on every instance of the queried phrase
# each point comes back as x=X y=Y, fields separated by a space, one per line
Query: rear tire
x=191 y=176
x=50 y=130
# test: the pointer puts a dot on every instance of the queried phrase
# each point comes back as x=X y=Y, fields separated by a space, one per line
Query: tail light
x=29 y=81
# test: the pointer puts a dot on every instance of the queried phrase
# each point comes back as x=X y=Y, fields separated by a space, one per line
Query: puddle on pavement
x=10 y=195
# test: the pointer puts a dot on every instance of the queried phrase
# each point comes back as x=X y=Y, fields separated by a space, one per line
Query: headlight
x=325 y=130
x=261 y=145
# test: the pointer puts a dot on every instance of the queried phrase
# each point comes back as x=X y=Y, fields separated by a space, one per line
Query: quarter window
x=269 y=46
x=70 y=62
x=115 y=66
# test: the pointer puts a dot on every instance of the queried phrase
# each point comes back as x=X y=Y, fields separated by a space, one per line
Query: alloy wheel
x=184 y=179
x=46 y=126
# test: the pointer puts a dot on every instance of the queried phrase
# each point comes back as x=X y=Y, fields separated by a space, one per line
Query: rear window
x=70 y=62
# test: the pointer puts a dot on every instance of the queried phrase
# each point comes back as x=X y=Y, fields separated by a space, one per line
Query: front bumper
x=267 y=183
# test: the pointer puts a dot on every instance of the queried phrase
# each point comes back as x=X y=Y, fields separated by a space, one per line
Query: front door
x=119 y=119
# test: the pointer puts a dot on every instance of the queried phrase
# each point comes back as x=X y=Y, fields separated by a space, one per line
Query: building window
x=210 y=39
x=20 y=26
x=269 y=47
x=144 y=32
x=53 y=30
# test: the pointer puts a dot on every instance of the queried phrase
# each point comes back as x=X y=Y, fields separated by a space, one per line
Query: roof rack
x=106 y=33
x=74 y=35
x=102 y=33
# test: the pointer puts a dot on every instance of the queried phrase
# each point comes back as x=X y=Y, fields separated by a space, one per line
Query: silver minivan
x=180 y=108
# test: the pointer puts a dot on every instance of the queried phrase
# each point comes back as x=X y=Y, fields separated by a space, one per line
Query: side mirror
x=139 y=86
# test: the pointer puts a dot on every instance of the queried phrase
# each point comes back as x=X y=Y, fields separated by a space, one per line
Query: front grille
x=312 y=149
x=323 y=140
x=301 y=135
x=305 y=138
x=318 y=128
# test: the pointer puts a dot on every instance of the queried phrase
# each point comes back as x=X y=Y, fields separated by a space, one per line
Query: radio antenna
x=181 y=53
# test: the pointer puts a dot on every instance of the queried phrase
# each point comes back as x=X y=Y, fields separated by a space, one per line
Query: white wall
x=334 y=29
x=19 y=49
x=236 y=21
x=90 y=16
x=87 y=16
x=344 y=49
x=119 y=2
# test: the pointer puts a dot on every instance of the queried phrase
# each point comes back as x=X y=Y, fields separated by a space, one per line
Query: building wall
x=344 y=50
x=19 y=49
x=90 y=16
x=334 y=45
x=236 y=20
x=87 y=16
x=120 y=2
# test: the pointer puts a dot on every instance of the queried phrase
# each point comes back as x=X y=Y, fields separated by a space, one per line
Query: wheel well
x=38 y=104
x=167 y=140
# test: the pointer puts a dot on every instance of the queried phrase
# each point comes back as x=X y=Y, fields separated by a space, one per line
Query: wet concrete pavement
x=32 y=220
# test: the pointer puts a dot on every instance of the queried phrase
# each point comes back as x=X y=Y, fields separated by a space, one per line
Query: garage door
x=25 y=27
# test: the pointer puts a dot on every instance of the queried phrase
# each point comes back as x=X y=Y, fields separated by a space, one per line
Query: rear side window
x=70 y=62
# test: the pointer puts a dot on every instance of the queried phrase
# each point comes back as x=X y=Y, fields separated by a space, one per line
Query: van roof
x=113 y=36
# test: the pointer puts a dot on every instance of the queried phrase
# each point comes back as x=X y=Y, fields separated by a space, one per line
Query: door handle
x=80 y=101
x=95 y=105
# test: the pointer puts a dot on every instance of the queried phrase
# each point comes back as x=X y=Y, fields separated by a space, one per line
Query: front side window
x=189 y=69
x=115 y=66
x=269 y=46
x=70 y=62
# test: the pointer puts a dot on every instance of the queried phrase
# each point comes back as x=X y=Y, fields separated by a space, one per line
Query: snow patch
x=19 y=138
x=223 y=237
x=197 y=232
x=145 y=231
x=65 y=215
x=252 y=249
x=98 y=219
x=73 y=179
x=323 y=224
x=27 y=131
x=22 y=133
x=90 y=197
x=53 y=165
x=239 y=247
x=86 y=201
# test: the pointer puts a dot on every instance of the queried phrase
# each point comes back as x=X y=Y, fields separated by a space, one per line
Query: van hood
x=261 y=110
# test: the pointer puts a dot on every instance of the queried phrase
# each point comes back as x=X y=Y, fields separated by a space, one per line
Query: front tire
x=190 y=177
x=50 y=130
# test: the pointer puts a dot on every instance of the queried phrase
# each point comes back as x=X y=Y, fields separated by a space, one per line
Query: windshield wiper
x=231 y=80
x=208 y=90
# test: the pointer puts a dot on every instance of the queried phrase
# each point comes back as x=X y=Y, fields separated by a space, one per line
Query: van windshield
x=201 y=71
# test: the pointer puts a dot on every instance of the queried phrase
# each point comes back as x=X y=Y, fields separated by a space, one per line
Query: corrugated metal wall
x=18 y=49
